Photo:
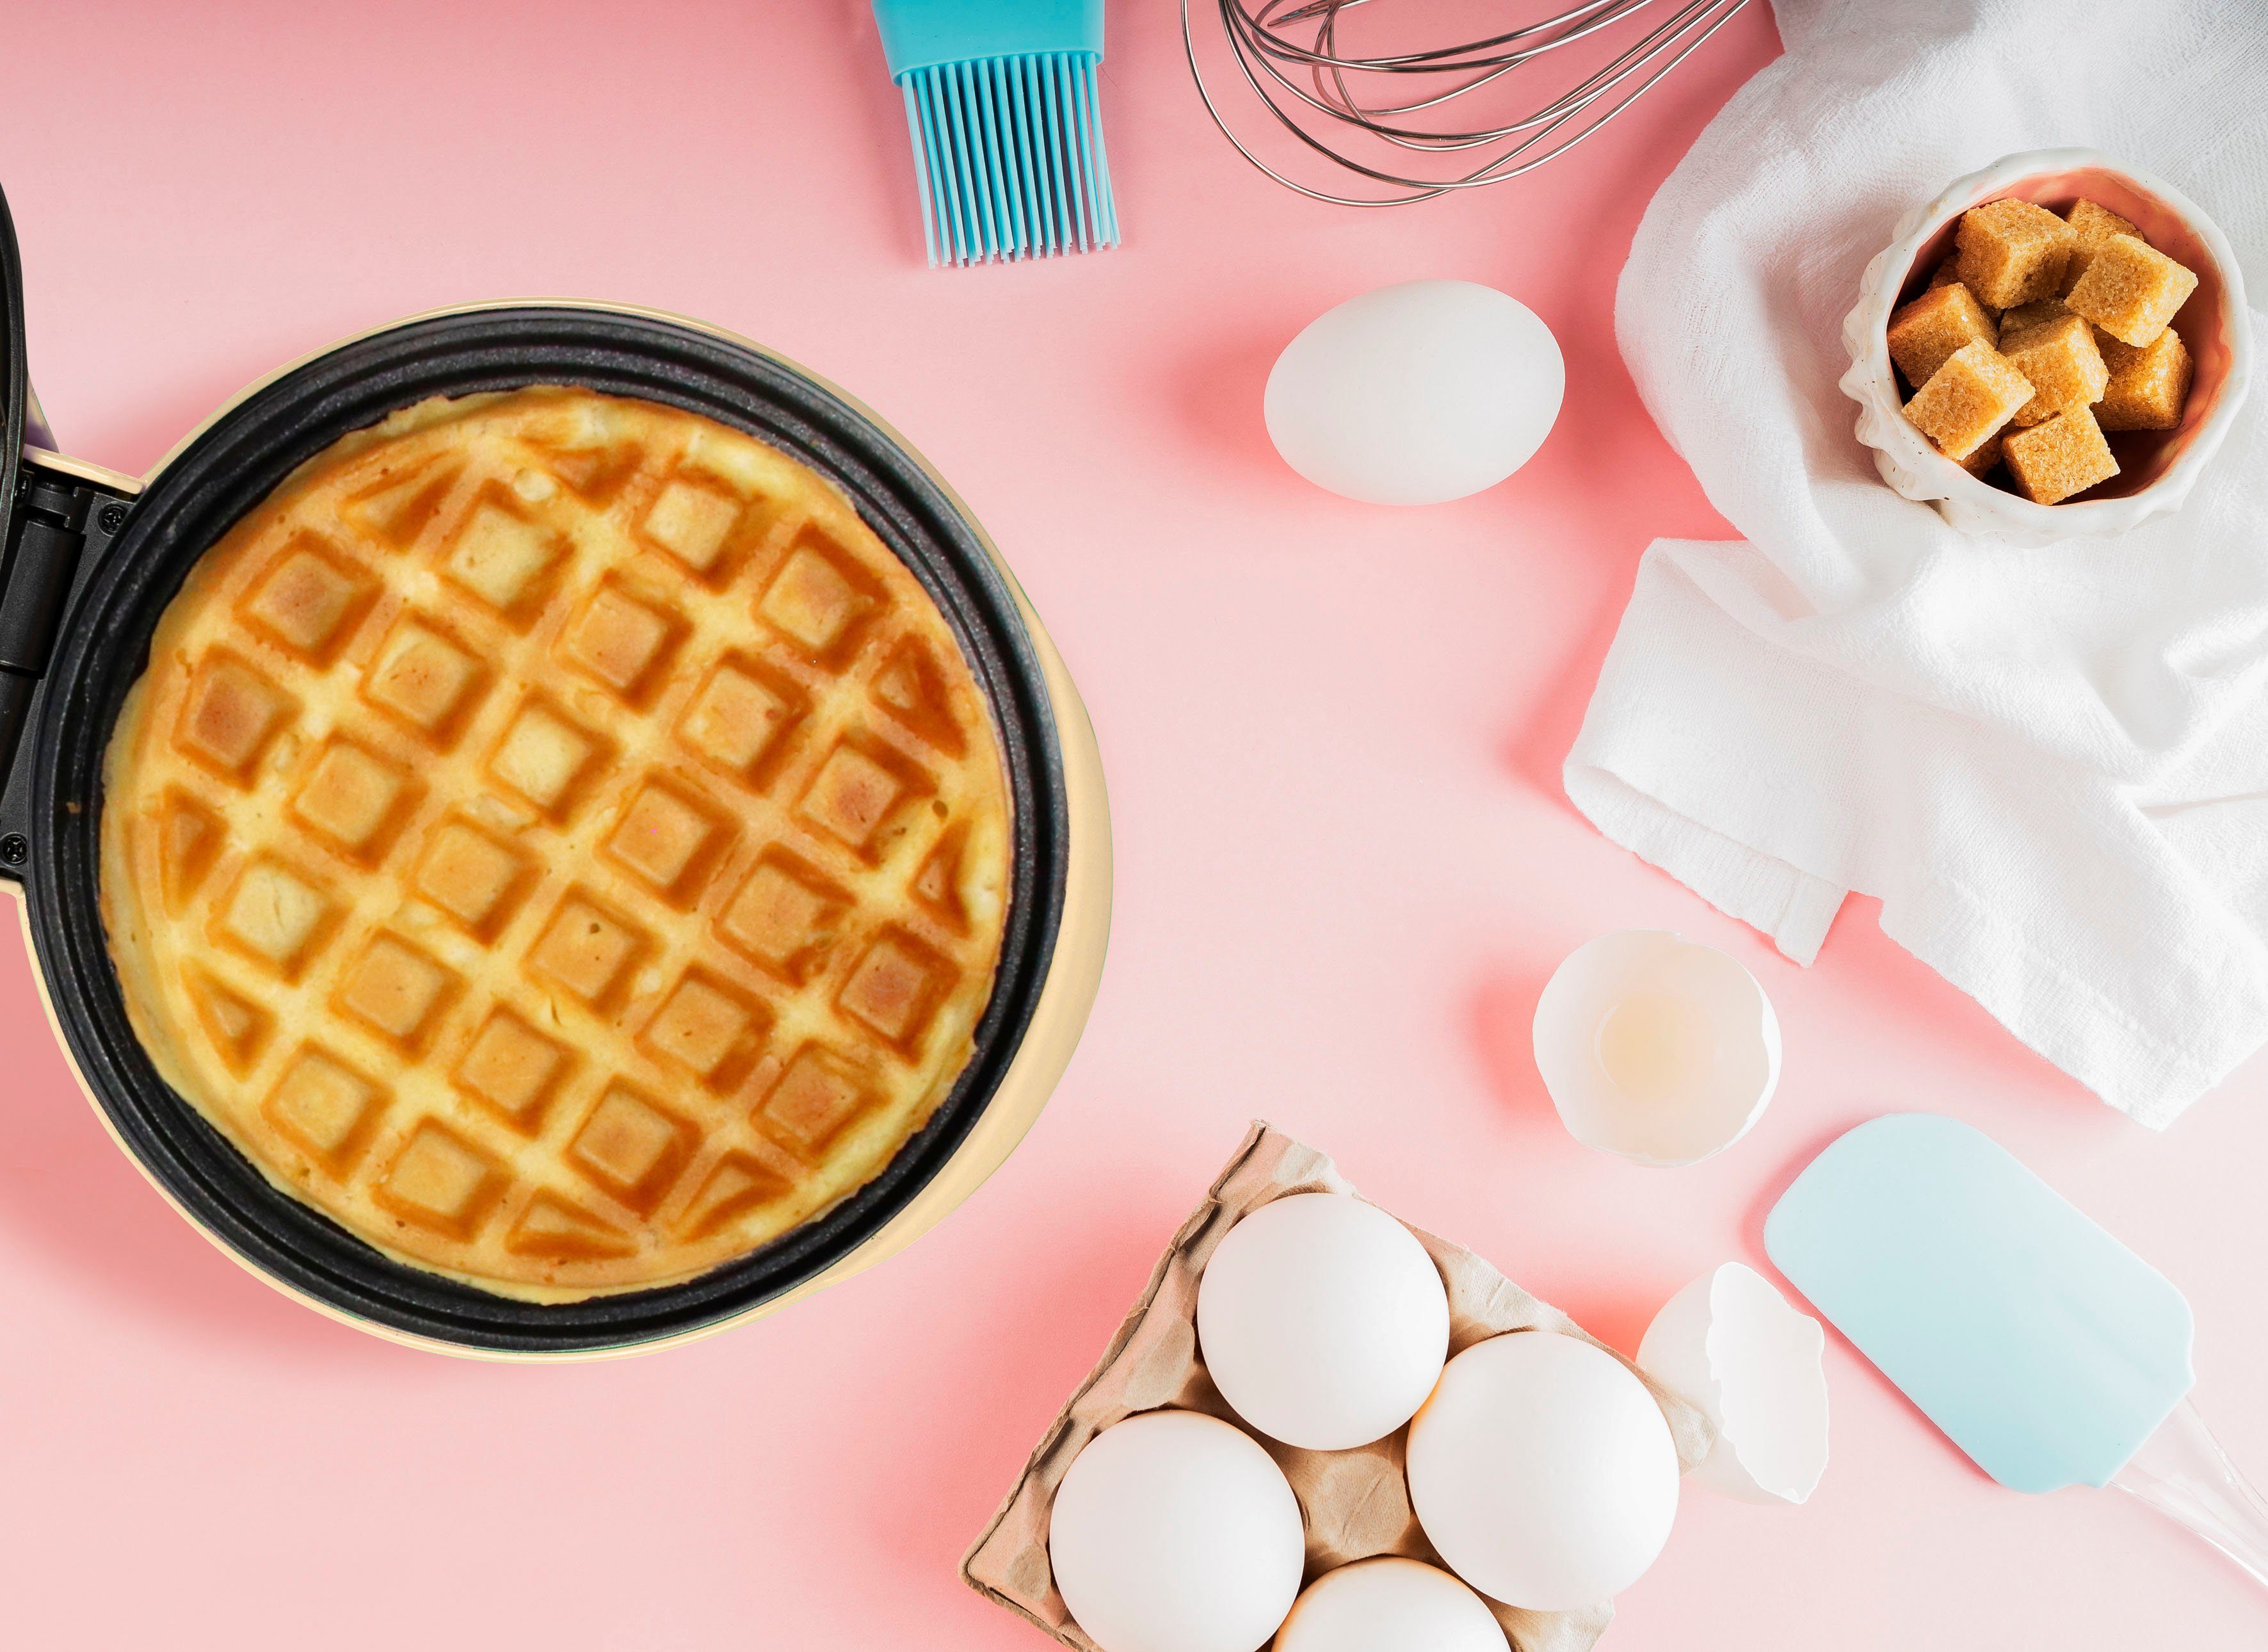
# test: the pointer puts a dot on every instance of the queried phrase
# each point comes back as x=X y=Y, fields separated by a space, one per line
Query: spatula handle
x=2182 y=1472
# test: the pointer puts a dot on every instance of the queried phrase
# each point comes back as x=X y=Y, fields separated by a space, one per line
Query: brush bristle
x=1008 y=154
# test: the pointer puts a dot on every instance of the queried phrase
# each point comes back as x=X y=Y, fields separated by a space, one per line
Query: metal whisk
x=1392 y=99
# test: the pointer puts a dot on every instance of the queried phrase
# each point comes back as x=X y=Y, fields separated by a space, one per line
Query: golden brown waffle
x=557 y=839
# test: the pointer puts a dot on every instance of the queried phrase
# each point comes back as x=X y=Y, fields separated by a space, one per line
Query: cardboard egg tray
x=1356 y=1503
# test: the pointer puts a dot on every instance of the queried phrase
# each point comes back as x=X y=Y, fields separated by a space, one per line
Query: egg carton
x=1356 y=1503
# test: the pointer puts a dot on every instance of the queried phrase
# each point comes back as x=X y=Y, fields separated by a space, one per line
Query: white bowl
x=2157 y=468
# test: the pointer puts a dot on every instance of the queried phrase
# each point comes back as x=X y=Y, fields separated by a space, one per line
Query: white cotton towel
x=2051 y=765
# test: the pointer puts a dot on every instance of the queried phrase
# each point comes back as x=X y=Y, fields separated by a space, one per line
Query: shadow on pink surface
x=134 y=438
x=1013 y=1365
x=69 y=1193
x=1217 y=392
x=1535 y=749
x=1871 y=965
x=1501 y=1017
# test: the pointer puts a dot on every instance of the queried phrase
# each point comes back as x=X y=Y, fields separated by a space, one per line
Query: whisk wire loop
x=1272 y=41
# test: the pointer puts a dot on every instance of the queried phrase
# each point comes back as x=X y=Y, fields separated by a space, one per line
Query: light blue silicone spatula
x=2045 y=1349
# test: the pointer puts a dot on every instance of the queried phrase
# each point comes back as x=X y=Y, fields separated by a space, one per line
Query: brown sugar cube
x=2060 y=359
x=2147 y=386
x=2064 y=456
x=2012 y=252
x=1980 y=463
x=2091 y=225
x=2131 y=290
x=2030 y=314
x=1949 y=274
x=1924 y=333
x=1967 y=398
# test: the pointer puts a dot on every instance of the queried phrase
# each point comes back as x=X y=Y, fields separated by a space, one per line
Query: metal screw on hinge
x=14 y=850
x=114 y=518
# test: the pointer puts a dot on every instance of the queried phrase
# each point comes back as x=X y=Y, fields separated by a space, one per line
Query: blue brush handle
x=921 y=34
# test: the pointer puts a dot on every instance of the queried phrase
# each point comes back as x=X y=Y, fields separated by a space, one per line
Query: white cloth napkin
x=2051 y=765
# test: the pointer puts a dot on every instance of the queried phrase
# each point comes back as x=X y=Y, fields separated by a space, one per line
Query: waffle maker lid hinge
x=49 y=522
x=49 y=514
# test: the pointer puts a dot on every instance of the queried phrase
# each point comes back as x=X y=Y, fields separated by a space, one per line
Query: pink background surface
x=1333 y=736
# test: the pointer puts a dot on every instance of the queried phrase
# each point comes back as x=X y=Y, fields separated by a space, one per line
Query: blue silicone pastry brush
x=1007 y=129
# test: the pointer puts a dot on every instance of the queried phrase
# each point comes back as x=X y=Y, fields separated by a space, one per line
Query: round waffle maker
x=91 y=559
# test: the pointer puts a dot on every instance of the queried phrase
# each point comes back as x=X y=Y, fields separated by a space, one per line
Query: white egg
x=1543 y=1471
x=1177 y=1532
x=1656 y=1048
x=1416 y=394
x=1730 y=1343
x=1389 y=1605
x=1323 y=1321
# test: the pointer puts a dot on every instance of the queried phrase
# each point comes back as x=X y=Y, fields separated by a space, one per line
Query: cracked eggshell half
x=1656 y=1048
x=1730 y=1343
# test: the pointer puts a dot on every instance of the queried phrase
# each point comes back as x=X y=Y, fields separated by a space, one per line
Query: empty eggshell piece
x=1389 y=1605
x=1175 y=1532
x=1730 y=1343
x=1656 y=1048
x=1416 y=394
x=1543 y=1471
x=1323 y=1321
